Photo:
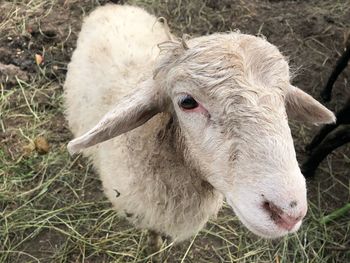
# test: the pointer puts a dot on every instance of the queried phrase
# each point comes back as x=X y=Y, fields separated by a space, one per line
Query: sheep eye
x=188 y=103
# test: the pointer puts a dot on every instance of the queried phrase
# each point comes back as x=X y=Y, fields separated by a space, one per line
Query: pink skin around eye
x=199 y=109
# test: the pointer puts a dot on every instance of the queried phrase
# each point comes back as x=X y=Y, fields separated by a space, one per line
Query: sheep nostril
x=272 y=209
x=266 y=205
x=293 y=204
x=280 y=218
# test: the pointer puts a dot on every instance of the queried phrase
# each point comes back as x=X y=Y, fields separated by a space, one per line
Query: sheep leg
x=332 y=141
x=326 y=94
x=343 y=117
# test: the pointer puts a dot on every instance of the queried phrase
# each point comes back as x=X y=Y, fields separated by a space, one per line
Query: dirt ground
x=51 y=205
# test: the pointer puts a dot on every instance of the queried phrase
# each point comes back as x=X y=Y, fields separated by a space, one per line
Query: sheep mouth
x=257 y=230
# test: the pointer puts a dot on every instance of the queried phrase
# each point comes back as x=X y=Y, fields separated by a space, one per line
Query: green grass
x=52 y=208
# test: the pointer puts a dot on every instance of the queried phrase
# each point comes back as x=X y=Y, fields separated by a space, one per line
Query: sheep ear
x=131 y=111
x=302 y=107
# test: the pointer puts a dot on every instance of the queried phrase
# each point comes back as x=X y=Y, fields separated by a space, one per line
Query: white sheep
x=202 y=120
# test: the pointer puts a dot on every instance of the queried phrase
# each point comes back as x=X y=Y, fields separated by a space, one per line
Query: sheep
x=175 y=126
x=328 y=139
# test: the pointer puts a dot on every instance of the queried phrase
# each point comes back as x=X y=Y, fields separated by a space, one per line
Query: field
x=52 y=208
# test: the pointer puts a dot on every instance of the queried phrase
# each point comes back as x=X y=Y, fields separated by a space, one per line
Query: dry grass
x=52 y=206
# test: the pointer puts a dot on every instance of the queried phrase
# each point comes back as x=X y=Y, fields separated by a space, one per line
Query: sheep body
x=202 y=119
x=116 y=50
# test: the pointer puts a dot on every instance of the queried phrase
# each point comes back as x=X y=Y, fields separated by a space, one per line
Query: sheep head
x=231 y=96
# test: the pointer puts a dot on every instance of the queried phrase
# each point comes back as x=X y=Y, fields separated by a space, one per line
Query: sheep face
x=243 y=147
x=230 y=95
x=249 y=156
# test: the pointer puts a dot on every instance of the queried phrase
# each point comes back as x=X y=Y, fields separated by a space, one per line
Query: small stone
x=41 y=145
x=28 y=149
x=39 y=59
